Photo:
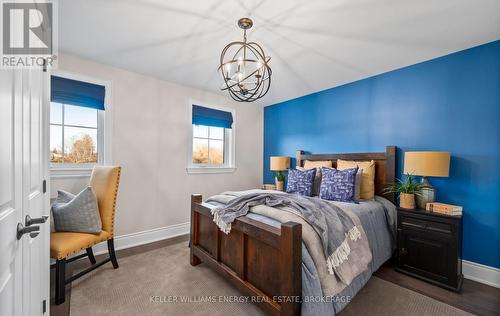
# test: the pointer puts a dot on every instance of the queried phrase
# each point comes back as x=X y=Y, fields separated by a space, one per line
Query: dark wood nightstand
x=430 y=247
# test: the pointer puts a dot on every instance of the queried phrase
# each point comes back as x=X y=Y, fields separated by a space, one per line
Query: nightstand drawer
x=431 y=225
x=440 y=227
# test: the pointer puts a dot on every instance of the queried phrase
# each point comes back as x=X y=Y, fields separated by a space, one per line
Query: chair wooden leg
x=112 y=255
x=60 y=281
x=90 y=254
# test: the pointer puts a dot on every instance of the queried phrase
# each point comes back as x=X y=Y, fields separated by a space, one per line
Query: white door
x=24 y=259
x=11 y=211
x=35 y=248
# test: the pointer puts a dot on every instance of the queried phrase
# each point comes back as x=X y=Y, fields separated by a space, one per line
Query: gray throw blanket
x=331 y=223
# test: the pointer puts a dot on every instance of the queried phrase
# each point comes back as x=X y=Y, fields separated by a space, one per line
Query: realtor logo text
x=28 y=39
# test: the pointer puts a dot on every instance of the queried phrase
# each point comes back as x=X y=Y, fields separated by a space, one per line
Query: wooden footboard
x=262 y=261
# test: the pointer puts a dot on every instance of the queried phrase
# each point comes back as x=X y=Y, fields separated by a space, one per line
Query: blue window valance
x=76 y=92
x=211 y=117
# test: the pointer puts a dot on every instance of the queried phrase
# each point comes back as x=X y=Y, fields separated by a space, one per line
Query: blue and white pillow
x=301 y=181
x=338 y=185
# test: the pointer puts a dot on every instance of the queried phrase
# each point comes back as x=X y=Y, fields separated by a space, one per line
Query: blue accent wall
x=451 y=103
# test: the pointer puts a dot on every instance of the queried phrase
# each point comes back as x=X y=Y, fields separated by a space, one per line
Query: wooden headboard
x=385 y=165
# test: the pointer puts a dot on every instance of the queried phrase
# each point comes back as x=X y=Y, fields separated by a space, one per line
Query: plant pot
x=279 y=185
x=407 y=201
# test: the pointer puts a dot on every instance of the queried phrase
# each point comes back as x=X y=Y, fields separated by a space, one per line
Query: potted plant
x=407 y=190
x=279 y=164
x=280 y=180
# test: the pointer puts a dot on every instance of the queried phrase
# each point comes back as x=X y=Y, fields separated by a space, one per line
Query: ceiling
x=314 y=44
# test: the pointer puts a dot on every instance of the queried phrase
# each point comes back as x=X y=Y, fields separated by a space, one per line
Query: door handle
x=28 y=221
x=32 y=230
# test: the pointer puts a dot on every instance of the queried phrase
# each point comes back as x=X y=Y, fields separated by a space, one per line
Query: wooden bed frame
x=262 y=261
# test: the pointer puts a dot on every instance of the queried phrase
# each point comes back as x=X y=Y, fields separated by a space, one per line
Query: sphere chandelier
x=245 y=68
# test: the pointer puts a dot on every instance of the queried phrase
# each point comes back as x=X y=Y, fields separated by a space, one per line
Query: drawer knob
x=403 y=252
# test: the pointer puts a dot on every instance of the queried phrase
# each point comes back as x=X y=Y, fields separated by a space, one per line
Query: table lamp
x=280 y=164
x=427 y=164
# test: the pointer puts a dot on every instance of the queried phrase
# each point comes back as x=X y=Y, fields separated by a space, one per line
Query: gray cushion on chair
x=77 y=213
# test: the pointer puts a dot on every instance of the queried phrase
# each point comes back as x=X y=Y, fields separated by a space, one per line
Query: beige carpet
x=149 y=283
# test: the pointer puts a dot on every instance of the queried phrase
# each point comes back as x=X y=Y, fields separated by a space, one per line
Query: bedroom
x=120 y=142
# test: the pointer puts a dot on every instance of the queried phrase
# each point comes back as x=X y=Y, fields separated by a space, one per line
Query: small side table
x=430 y=247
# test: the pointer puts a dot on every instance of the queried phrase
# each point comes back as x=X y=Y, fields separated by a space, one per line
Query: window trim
x=229 y=165
x=104 y=138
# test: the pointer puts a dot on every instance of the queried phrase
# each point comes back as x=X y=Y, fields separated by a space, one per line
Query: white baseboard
x=481 y=273
x=144 y=237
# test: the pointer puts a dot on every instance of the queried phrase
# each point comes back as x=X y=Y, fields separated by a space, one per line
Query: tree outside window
x=73 y=134
x=208 y=145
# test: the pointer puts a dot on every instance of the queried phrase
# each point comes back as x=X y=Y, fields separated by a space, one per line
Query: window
x=208 y=145
x=74 y=134
x=212 y=140
x=76 y=123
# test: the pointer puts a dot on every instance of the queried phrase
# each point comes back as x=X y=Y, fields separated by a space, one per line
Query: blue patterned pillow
x=301 y=182
x=338 y=185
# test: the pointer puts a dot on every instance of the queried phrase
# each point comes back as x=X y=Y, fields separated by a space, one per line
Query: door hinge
x=44 y=306
x=44 y=186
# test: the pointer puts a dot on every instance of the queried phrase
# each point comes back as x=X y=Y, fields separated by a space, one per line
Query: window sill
x=202 y=170
x=71 y=172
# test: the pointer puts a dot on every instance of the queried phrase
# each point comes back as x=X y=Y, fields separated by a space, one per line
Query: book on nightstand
x=268 y=187
x=443 y=208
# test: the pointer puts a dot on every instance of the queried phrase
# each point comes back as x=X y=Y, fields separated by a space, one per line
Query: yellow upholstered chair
x=104 y=182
